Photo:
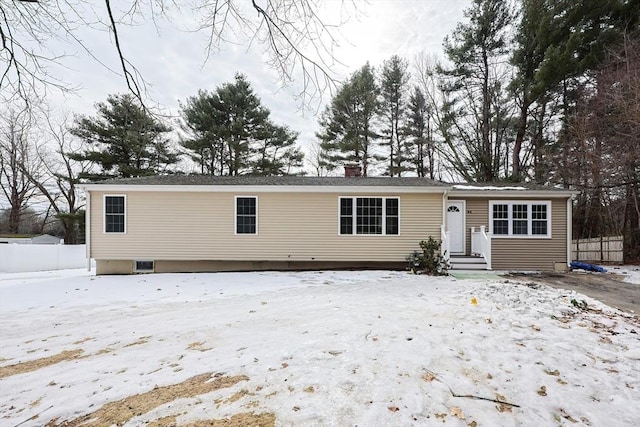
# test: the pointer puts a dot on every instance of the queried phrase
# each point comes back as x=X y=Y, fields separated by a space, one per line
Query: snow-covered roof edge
x=518 y=190
x=485 y=187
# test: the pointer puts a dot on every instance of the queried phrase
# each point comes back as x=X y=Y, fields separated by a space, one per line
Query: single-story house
x=186 y=223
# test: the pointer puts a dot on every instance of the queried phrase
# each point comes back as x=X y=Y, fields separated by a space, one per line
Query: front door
x=455 y=225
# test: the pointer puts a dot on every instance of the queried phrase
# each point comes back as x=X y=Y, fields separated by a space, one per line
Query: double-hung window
x=520 y=218
x=115 y=208
x=369 y=215
x=246 y=215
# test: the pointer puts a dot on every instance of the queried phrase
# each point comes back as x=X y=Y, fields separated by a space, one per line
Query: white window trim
x=235 y=215
x=355 y=216
x=509 y=218
x=104 y=214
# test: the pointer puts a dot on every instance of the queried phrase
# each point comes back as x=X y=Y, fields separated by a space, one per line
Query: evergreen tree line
x=539 y=91
x=224 y=132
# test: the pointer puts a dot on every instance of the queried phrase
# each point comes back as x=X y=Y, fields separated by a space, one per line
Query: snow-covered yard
x=375 y=348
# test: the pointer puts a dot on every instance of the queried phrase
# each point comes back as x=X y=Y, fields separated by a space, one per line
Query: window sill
x=369 y=235
x=523 y=237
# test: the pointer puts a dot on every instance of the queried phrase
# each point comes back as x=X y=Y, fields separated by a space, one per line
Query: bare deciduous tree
x=436 y=145
x=316 y=158
x=17 y=155
x=59 y=185
x=298 y=41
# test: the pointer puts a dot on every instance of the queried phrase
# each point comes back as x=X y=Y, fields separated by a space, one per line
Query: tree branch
x=132 y=84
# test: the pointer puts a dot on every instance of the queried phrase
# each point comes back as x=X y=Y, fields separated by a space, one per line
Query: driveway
x=606 y=287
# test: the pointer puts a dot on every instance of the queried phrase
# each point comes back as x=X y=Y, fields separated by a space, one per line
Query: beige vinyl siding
x=525 y=253
x=291 y=227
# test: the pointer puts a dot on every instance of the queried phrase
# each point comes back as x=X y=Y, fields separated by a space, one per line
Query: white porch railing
x=444 y=239
x=481 y=244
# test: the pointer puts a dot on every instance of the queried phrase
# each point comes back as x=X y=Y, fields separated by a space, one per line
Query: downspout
x=87 y=228
x=445 y=199
x=569 y=228
x=444 y=234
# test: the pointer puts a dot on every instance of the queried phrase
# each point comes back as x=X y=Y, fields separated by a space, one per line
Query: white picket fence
x=23 y=258
x=598 y=249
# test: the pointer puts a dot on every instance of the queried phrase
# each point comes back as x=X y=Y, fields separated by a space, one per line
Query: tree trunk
x=632 y=224
x=517 y=146
x=539 y=168
x=486 y=152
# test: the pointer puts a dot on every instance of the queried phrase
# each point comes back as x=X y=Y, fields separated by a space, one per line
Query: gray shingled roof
x=275 y=180
x=378 y=181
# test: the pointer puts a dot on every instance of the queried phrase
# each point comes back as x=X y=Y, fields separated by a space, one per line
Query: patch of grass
x=34 y=365
x=121 y=411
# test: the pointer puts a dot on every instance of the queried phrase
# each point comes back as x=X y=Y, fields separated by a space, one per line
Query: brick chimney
x=352 y=170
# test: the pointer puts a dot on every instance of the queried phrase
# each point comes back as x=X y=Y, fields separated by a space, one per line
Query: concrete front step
x=461 y=267
x=467 y=263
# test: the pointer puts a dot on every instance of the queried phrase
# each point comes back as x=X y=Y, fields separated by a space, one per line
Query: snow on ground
x=630 y=273
x=311 y=349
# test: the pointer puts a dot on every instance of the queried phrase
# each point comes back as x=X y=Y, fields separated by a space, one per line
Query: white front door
x=455 y=225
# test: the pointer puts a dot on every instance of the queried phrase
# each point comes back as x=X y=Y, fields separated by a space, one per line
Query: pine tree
x=394 y=81
x=347 y=133
x=557 y=42
x=420 y=132
x=476 y=49
x=276 y=153
x=231 y=133
x=123 y=140
x=202 y=116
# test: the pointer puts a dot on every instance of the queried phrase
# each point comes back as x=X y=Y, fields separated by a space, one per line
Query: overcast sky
x=172 y=59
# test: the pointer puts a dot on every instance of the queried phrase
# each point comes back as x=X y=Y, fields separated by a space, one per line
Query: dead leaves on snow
x=566 y=416
x=554 y=373
x=139 y=341
x=502 y=406
x=198 y=346
x=429 y=376
x=455 y=411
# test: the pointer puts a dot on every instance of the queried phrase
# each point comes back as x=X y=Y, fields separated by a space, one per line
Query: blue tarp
x=579 y=265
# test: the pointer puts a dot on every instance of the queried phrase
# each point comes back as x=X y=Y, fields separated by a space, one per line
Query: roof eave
x=368 y=189
x=523 y=194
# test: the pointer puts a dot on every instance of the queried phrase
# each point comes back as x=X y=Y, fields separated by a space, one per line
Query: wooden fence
x=598 y=249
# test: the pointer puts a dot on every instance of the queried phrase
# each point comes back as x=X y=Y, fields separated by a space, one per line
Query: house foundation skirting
x=203 y=266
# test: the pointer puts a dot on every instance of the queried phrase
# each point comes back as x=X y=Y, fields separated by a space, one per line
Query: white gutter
x=186 y=188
